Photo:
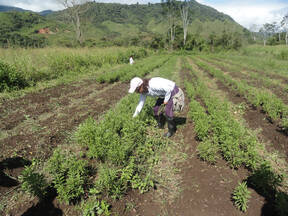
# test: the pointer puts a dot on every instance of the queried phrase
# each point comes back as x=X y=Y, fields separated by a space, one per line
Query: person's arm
x=167 y=97
x=140 y=105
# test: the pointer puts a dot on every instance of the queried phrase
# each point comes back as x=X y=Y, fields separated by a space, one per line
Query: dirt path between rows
x=203 y=189
x=207 y=188
x=243 y=74
x=270 y=132
x=272 y=75
x=46 y=118
x=33 y=125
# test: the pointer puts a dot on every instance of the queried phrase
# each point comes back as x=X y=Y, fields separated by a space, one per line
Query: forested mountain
x=4 y=8
x=113 y=24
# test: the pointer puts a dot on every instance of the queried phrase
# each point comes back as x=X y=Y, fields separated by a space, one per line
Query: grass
x=261 y=58
x=21 y=68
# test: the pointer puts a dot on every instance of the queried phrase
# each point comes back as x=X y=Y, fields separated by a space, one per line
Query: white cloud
x=129 y=1
x=250 y=12
x=245 y=12
x=40 y=5
x=34 y=5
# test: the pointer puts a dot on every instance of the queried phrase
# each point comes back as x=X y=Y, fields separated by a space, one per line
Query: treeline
x=111 y=24
x=16 y=29
x=195 y=42
x=141 y=14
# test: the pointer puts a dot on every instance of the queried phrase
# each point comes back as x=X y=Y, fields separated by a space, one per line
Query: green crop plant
x=265 y=180
x=261 y=63
x=255 y=78
x=167 y=69
x=235 y=143
x=108 y=181
x=69 y=175
x=241 y=196
x=116 y=136
x=33 y=182
x=202 y=121
x=141 y=68
x=284 y=124
x=281 y=203
x=270 y=103
x=143 y=184
x=95 y=207
x=225 y=129
x=208 y=150
x=121 y=147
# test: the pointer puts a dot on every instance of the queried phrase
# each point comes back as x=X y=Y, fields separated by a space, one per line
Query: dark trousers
x=169 y=106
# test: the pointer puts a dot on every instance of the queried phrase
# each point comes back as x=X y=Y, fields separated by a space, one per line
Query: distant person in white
x=131 y=60
x=159 y=87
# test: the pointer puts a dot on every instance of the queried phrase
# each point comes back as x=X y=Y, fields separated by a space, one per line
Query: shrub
x=11 y=78
x=283 y=55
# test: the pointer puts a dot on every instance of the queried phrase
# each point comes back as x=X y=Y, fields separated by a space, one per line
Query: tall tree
x=184 y=11
x=170 y=9
x=278 y=30
x=75 y=9
x=284 y=24
x=266 y=31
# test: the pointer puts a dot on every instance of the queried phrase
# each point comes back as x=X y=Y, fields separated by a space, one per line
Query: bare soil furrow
x=270 y=132
x=242 y=75
x=52 y=131
x=35 y=104
x=271 y=75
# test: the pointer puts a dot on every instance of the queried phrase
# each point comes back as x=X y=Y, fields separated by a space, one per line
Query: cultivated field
x=69 y=144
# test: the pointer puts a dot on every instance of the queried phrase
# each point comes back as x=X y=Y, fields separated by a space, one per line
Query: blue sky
x=245 y=12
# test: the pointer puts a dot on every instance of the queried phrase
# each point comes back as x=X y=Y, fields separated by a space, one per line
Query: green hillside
x=112 y=24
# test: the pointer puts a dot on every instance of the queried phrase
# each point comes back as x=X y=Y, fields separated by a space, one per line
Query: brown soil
x=54 y=113
x=277 y=90
x=35 y=124
x=271 y=75
x=205 y=190
x=256 y=118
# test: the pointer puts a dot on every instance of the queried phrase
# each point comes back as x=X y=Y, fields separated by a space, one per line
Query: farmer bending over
x=165 y=90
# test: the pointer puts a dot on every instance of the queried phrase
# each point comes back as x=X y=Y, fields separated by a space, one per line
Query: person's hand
x=165 y=103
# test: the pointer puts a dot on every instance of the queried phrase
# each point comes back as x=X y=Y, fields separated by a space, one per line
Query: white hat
x=134 y=83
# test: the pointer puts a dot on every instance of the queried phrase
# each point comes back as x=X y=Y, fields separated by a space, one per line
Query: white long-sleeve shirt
x=158 y=87
x=131 y=61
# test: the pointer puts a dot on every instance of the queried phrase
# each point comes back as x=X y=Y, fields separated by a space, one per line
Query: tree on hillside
x=170 y=10
x=284 y=24
x=266 y=31
x=278 y=30
x=75 y=9
x=184 y=11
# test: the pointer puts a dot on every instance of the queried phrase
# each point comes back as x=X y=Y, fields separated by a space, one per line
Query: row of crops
x=108 y=157
x=114 y=154
x=267 y=80
x=263 y=98
x=24 y=69
x=220 y=134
